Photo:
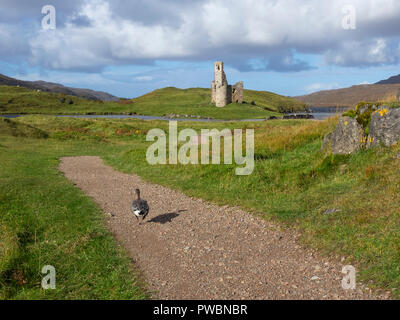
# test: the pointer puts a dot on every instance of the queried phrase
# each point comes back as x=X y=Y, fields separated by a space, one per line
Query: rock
x=326 y=143
x=62 y=100
x=347 y=138
x=331 y=211
x=315 y=278
x=298 y=116
x=384 y=127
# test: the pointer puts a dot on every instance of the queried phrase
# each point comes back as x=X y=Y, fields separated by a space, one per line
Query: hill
x=191 y=101
x=163 y=102
x=57 y=88
x=349 y=97
x=391 y=80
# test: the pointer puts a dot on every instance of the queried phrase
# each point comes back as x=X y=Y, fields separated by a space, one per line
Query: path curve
x=190 y=249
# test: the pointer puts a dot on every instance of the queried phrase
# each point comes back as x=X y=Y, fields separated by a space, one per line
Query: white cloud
x=370 y=52
x=144 y=78
x=321 y=86
x=204 y=30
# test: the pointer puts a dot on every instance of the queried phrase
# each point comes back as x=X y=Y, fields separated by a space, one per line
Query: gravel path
x=190 y=249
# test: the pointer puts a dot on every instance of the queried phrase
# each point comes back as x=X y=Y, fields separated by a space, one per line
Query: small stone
x=331 y=211
x=315 y=278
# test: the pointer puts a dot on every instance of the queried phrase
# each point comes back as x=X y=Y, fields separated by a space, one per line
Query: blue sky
x=128 y=48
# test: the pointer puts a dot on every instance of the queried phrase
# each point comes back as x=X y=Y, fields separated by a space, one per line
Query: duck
x=139 y=207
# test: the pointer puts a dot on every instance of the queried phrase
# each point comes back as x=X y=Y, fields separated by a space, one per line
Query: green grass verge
x=45 y=220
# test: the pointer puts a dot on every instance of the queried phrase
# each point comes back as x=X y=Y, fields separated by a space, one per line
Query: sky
x=129 y=48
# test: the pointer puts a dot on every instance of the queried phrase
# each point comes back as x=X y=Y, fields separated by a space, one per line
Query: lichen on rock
x=384 y=127
x=347 y=138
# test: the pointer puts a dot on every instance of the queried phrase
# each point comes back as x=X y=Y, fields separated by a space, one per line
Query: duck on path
x=139 y=207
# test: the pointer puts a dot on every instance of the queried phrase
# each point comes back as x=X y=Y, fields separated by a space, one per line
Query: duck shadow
x=165 y=217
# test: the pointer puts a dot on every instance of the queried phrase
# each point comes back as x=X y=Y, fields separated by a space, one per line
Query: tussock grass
x=17 y=129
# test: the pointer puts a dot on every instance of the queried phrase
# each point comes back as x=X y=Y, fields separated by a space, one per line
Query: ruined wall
x=213 y=92
x=237 y=92
x=222 y=93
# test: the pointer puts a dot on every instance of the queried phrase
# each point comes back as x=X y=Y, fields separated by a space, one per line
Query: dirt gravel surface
x=189 y=249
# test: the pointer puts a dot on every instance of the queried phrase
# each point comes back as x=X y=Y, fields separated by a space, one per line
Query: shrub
x=350 y=113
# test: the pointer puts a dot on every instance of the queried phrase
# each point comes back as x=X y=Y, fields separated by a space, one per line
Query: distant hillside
x=57 y=88
x=349 y=97
x=169 y=102
x=391 y=80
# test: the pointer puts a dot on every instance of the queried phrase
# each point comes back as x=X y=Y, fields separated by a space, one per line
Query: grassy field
x=45 y=220
x=192 y=102
x=293 y=182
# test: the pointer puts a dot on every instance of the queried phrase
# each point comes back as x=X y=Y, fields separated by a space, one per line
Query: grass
x=192 y=102
x=45 y=220
x=293 y=182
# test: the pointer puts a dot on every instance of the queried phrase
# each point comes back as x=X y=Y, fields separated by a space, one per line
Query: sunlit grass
x=293 y=182
x=163 y=102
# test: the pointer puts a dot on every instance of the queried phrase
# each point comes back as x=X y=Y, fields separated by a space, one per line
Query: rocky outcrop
x=347 y=138
x=298 y=116
x=365 y=127
x=384 y=128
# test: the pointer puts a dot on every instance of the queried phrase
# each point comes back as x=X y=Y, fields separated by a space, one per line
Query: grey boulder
x=347 y=138
x=384 y=127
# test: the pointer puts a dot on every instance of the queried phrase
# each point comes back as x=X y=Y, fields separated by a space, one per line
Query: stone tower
x=219 y=86
x=222 y=93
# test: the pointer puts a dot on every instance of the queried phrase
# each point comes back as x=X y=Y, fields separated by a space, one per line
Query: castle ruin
x=222 y=93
